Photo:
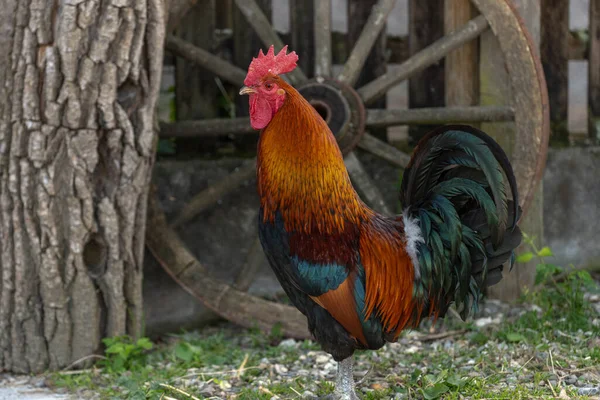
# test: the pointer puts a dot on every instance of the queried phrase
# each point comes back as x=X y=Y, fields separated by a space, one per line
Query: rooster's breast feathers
x=361 y=276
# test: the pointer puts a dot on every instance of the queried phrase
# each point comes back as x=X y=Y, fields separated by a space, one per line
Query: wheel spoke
x=365 y=42
x=206 y=60
x=206 y=127
x=439 y=115
x=323 y=38
x=381 y=149
x=365 y=184
x=246 y=274
x=240 y=308
x=214 y=193
x=261 y=25
x=424 y=59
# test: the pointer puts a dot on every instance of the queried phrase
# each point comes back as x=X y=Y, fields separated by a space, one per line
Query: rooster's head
x=264 y=85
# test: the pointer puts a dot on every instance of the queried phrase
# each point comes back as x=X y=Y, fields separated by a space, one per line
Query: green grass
x=538 y=353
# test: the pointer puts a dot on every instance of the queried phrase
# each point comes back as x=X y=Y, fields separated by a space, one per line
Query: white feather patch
x=413 y=234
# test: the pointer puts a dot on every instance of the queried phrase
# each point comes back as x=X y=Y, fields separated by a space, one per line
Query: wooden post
x=224 y=17
x=554 y=49
x=195 y=88
x=495 y=90
x=425 y=89
x=375 y=66
x=301 y=33
x=245 y=46
x=323 y=38
x=594 y=72
x=461 y=65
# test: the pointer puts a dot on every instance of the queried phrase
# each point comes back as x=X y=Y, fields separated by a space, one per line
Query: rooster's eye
x=268 y=85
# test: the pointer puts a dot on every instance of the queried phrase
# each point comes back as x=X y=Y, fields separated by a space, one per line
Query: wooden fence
x=558 y=46
x=428 y=21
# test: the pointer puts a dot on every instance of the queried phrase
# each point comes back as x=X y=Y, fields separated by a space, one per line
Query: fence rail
x=450 y=82
x=558 y=46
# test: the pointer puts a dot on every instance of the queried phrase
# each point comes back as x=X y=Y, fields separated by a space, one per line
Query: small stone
x=571 y=380
x=379 y=386
x=536 y=308
x=224 y=385
x=481 y=322
x=322 y=359
x=588 y=377
x=280 y=369
x=412 y=350
x=308 y=395
x=589 y=391
x=288 y=343
x=39 y=383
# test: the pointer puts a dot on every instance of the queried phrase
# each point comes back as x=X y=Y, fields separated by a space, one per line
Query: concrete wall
x=572 y=205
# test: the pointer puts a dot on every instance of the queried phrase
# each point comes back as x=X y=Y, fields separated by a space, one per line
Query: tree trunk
x=78 y=86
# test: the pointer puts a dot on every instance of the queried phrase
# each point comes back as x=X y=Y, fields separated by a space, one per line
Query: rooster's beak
x=247 y=90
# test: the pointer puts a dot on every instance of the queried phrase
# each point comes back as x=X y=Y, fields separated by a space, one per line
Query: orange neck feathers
x=301 y=171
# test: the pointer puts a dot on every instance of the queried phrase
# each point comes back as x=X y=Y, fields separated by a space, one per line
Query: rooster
x=360 y=277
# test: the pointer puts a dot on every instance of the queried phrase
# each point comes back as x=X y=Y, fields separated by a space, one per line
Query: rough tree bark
x=79 y=82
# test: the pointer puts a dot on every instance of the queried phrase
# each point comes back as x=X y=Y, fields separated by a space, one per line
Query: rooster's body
x=358 y=276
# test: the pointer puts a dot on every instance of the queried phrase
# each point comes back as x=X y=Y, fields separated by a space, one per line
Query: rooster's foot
x=344 y=386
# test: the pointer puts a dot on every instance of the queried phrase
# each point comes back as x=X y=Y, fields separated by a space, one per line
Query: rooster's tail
x=460 y=226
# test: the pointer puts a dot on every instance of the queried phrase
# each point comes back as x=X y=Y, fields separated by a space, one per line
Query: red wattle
x=260 y=112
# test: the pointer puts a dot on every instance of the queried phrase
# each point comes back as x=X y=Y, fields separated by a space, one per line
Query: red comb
x=270 y=63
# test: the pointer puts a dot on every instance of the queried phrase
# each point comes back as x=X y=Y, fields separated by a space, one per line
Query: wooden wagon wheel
x=345 y=110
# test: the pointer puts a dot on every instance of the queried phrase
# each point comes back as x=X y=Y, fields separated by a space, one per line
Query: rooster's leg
x=344 y=386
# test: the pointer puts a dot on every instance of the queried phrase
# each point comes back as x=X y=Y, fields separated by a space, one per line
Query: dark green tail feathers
x=454 y=189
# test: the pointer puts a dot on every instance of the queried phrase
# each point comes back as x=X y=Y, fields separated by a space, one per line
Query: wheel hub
x=340 y=106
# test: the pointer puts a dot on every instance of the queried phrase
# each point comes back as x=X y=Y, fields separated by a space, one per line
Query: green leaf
x=118 y=363
x=116 y=348
x=540 y=276
x=435 y=392
x=524 y=257
x=545 y=252
x=144 y=343
x=585 y=277
x=184 y=352
x=515 y=337
x=545 y=270
x=456 y=381
x=414 y=377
